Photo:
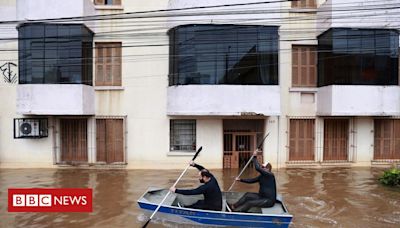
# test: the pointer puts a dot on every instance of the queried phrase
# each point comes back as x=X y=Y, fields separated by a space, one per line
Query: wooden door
x=109 y=140
x=74 y=140
x=301 y=140
x=386 y=139
x=336 y=133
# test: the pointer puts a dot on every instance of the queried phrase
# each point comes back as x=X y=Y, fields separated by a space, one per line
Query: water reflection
x=334 y=197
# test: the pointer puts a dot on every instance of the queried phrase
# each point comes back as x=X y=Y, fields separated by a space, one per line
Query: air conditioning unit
x=30 y=128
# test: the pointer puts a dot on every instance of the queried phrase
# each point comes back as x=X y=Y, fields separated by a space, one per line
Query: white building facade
x=142 y=85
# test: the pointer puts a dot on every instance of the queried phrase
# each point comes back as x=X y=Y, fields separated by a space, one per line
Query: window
x=386 y=139
x=304 y=4
x=358 y=57
x=110 y=140
x=55 y=54
x=304 y=66
x=107 y=2
x=108 y=64
x=223 y=54
x=183 y=135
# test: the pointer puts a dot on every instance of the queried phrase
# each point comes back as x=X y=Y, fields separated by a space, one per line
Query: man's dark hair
x=205 y=173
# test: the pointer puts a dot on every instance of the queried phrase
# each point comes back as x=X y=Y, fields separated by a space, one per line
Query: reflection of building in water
x=97 y=93
x=111 y=192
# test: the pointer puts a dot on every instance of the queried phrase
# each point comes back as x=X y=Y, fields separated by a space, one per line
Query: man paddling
x=210 y=189
x=266 y=196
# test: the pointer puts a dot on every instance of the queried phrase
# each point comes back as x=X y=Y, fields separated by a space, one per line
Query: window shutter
x=304 y=66
x=387 y=139
x=99 y=2
x=117 y=2
x=101 y=140
x=304 y=4
x=312 y=4
x=312 y=67
x=108 y=64
x=119 y=140
x=396 y=140
x=99 y=65
x=117 y=65
x=295 y=67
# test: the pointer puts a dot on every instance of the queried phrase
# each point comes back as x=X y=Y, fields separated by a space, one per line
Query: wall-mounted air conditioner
x=30 y=128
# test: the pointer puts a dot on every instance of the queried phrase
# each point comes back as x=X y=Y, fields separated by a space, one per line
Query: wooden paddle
x=176 y=182
x=244 y=168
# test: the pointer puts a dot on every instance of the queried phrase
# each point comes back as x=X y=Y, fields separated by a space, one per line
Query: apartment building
x=134 y=84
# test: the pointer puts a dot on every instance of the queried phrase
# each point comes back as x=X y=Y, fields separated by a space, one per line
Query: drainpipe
x=278 y=145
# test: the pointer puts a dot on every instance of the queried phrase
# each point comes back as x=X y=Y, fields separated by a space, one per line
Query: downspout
x=278 y=144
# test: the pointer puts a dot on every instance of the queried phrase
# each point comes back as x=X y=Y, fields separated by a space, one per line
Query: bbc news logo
x=49 y=200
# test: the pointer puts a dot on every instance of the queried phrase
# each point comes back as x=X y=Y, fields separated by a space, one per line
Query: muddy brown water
x=339 y=197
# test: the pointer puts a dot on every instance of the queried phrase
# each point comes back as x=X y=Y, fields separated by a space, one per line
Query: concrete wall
x=8 y=12
x=302 y=102
x=222 y=100
x=47 y=9
x=152 y=148
x=358 y=14
x=267 y=13
x=20 y=153
x=55 y=99
x=340 y=100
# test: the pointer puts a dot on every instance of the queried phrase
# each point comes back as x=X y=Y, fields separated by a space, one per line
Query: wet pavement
x=334 y=197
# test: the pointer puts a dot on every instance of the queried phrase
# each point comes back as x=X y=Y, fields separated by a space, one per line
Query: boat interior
x=177 y=200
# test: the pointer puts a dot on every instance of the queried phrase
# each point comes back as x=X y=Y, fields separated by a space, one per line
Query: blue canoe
x=173 y=209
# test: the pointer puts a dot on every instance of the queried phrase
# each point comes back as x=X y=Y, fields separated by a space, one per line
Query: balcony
x=55 y=99
x=223 y=100
x=357 y=100
x=364 y=14
x=40 y=9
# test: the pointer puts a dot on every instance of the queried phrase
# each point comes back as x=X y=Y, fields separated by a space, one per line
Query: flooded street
x=334 y=197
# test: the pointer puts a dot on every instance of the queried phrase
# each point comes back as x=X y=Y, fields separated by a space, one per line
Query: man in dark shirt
x=210 y=189
x=266 y=196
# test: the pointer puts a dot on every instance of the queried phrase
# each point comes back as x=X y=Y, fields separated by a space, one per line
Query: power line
x=100 y=17
x=149 y=11
x=119 y=33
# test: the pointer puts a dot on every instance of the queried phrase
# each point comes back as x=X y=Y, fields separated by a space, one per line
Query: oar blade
x=147 y=223
x=197 y=153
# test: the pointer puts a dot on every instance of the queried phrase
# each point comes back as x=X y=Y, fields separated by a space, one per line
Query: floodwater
x=334 y=197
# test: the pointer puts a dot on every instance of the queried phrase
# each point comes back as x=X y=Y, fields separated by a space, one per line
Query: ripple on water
x=315 y=197
x=322 y=219
x=311 y=204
